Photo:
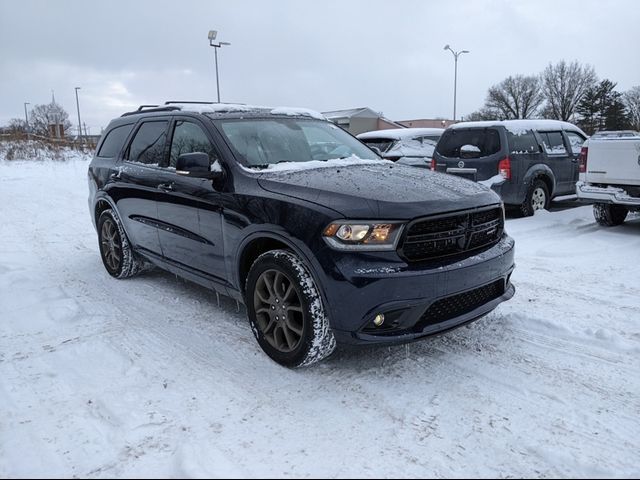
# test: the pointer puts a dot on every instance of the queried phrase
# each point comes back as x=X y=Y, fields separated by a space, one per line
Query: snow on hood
x=379 y=189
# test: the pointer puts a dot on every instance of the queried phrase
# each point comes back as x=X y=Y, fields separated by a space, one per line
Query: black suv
x=527 y=162
x=282 y=210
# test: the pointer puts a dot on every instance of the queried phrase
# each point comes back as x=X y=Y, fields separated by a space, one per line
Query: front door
x=190 y=235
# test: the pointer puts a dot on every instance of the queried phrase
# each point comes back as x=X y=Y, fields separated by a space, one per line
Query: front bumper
x=614 y=195
x=357 y=289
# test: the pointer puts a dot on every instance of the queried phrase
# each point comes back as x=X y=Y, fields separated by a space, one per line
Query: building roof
x=349 y=112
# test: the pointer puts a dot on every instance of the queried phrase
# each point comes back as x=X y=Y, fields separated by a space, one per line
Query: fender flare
x=539 y=170
x=280 y=235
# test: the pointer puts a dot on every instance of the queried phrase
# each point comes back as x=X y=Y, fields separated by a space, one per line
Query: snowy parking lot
x=151 y=377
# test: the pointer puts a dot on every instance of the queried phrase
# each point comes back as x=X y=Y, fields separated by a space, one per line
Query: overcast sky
x=324 y=55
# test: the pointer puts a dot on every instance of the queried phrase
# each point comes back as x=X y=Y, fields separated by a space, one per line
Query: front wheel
x=537 y=198
x=286 y=311
x=609 y=215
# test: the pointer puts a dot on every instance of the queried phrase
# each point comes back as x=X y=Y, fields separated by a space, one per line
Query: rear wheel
x=286 y=311
x=609 y=215
x=116 y=252
x=537 y=198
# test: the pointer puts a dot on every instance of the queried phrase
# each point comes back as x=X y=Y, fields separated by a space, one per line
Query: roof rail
x=150 y=108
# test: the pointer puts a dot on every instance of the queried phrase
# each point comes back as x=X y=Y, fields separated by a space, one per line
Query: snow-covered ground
x=150 y=377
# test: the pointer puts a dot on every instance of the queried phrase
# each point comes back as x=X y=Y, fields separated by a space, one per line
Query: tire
x=537 y=198
x=609 y=215
x=286 y=311
x=117 y=255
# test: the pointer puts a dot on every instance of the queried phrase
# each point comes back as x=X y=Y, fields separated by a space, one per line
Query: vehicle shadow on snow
x=226 y=315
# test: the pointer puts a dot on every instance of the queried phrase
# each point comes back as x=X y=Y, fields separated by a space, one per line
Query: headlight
x=359 y=235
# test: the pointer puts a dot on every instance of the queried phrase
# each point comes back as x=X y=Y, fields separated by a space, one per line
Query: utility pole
x=79 y=124
x=212 y=36
x=455 y=78
x=26 y=119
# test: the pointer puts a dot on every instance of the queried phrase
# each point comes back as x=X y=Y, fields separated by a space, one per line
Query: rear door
x=135 y=191
x=574 y=144
x=561 y=161
x=473 y=153
x=189 y=209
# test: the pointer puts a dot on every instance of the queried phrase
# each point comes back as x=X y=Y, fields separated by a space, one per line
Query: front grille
x=456 y=305
x=443 y=236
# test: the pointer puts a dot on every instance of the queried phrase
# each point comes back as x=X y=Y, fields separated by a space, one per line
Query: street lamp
x=212 y=37
x=26 y=119
x=455 y=79
x=79 y=124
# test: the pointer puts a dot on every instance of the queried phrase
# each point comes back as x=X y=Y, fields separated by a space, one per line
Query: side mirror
x=196 y=165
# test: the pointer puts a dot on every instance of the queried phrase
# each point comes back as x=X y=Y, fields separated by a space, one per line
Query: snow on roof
x=239 y=108
x=616 y=134
x=295 y=111
x=518 y=127
x=217 y=107
x=400 y=133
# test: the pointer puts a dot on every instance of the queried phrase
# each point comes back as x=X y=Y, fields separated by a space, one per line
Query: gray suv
x=527 y=162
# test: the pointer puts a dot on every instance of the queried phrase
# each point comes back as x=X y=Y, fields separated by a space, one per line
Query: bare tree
x=16 y=126
x=41 y=116
x=564 y=85
x=483 y=114
x=515 y=97
x=632 y=101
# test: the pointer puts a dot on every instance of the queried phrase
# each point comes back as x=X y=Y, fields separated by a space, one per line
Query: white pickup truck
x=610 y=175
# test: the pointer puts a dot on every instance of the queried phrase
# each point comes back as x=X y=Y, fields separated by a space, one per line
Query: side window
x=190 y=138
x=553 y=143
x=114 y=141
x=523 y=142
x=148 y=145
x=575 y=140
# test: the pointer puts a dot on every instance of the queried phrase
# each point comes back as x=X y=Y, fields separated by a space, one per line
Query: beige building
x=360 y=120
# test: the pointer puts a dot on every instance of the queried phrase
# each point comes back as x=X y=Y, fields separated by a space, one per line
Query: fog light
x=378 y=320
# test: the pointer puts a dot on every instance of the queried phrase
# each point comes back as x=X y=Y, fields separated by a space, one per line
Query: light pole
x=26 y=119
x=455 y=79
x=79 y=124
x=212 y=36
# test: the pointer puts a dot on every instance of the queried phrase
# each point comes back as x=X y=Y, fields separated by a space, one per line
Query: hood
x=385 y=192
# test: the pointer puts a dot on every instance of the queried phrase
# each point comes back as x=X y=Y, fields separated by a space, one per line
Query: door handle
x=166 y=187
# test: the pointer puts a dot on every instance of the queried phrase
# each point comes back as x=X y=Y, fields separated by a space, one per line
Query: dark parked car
x=322 y=244
x=527 y=162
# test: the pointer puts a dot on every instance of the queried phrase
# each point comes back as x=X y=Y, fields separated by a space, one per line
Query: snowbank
x=150 y=377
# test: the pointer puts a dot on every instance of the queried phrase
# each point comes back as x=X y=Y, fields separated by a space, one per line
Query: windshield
x=259 y=143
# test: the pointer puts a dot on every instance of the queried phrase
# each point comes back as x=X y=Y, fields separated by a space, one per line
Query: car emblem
x=460 y=164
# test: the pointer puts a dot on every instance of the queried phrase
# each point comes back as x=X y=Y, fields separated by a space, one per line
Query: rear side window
x=523 y=142
x=148 y=145
x=576 y=141
x=553 y=143
x=114 y=141
x=458 y=143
